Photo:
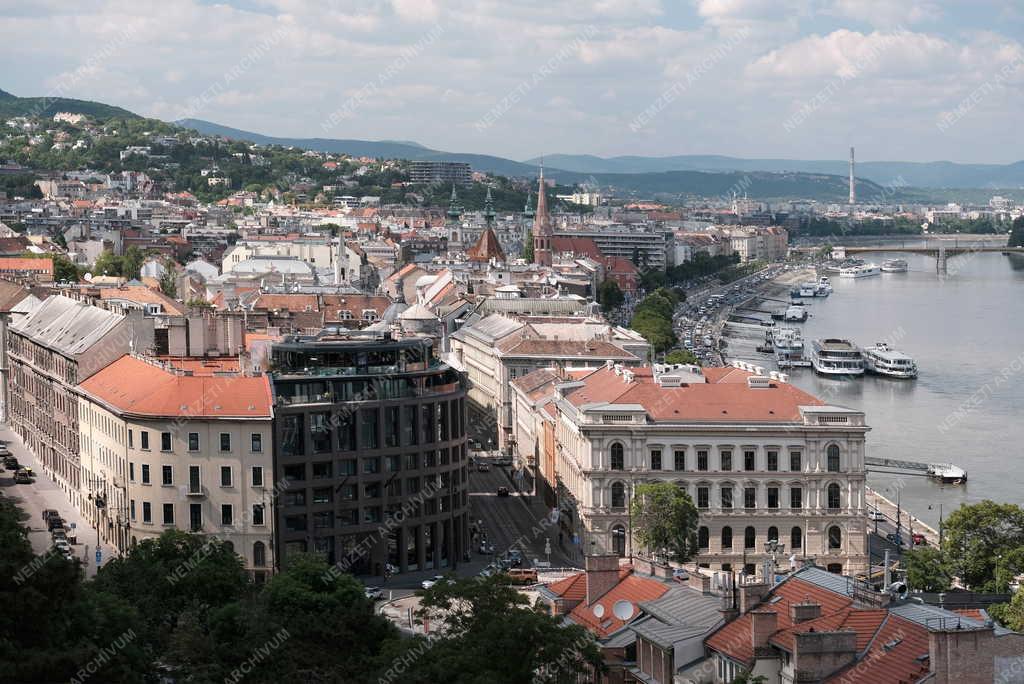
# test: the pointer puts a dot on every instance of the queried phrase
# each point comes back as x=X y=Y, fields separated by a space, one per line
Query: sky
x=899 y=79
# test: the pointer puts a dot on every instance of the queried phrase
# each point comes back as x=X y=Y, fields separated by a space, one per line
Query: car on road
x=23 y=476
x=894 y=539
x=515 y=558
x=62 y=545
x=11 y=463
x=484 y=468
x=680 y=574
x=919 y=539
x=50 y=513
x=502 y=491
x=374 y=593
x=486 y=547
x=428 y=583
x=59 y=533
x=875 y=514
x=523 y=576
x=54 y=521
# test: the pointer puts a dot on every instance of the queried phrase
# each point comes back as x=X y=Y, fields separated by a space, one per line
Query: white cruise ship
x=894 y=266
x=862 y=271
x=832 y=356
x=808 y=289
x=789 y=348
x=882 y=360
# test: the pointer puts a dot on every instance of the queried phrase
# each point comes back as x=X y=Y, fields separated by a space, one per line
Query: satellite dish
x=623 y=610
x=898 y=590
x=599 y=611
x=87 y=277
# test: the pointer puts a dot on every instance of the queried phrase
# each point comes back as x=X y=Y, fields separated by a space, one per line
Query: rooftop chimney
x=602 y=576
x=802 y=612
x=763 y=623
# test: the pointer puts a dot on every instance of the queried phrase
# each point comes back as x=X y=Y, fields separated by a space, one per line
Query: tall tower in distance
x=853 y=184
x=542 y=232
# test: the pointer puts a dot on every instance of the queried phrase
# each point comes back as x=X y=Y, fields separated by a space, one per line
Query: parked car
x=62 y=546
x=680 y=574
x=919 y=539
x=875 y=514
x=523 y=576
x=23 y=476
x=486 y=547
x=11 y=463
x=502 y=491
x=515 y=557
x=427 y=584
x=50 y=513
x=374 y=593
x=54 y=521
x=484 y=468
x=59 y=533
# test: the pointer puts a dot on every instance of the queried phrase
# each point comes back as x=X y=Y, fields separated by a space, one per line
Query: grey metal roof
x=665 y=635
x=67 y=326
x=683 y=606
x=489 y=329
x=825 y=579
x=934 y=618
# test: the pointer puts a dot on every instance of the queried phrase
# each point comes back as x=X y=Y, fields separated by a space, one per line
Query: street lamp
x=774 y=547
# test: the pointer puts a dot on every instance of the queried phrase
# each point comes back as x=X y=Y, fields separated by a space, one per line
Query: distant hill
x=11 y=105
x=940 y=174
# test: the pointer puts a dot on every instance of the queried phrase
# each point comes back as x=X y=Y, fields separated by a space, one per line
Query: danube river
x=966 y=331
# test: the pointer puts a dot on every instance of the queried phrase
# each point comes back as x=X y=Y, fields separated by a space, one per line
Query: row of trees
x=983 y=546
x=653 y=319
x=181 y=606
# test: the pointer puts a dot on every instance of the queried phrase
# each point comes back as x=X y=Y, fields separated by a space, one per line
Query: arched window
x=835 y=538
x=727 y=537
x=619 y=540
x=833 y=496
x=749 y=538
x=229 y=546
x=618 y=495
x=833 y=458
x=259 y=555
x=618 y=458
x=773 y=533
x=796 y=538
x=702 y=537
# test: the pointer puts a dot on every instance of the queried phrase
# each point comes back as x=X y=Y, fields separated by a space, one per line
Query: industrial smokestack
x=853 y=186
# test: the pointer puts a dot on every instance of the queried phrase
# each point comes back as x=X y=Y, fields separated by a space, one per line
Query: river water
x=965 y=329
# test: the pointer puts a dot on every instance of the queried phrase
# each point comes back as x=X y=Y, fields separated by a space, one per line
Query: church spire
x=454 y=208
x=542 y=225
x=488 y=207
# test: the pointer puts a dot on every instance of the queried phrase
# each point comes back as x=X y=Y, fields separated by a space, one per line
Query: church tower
x=542 y=232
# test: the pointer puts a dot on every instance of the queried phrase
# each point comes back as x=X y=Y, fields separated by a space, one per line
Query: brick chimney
x=751 y=595
x=804 y=611
x=763 y=623
x=816 y=655
x=602 y=575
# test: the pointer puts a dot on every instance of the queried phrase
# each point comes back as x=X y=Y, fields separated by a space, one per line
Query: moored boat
x=894 y=266
x=834 y=356
x=947 y=473
x=862 y=271
x=881 y=359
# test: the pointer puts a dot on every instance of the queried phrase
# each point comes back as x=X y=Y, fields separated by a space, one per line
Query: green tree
x=1009 y=566
x=976 y=535
x=1017 y=233
x=665 y=520
x=168 y=284
x=1010 y=615
x=682 y=356
x=925 y=569
x=609 y=295
x=131 y=263
x=491 y=634
x=528 y=247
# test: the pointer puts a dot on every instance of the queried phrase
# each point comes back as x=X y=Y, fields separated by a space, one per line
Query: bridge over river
x=941 y=248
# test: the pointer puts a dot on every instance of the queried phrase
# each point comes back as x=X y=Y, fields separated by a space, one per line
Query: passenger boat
x=894 y=266
x=862 y=271
x=947 y=473
x=824 y=288
x=795 y=314
x=808 y=289
x=883 y=360
x=789 y=348
x=833 y=356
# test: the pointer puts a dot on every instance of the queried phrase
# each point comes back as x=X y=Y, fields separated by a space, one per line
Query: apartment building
x=649 y=244
x=440 y=172
x=52 y=349
x=163 y=449
x=761 y=459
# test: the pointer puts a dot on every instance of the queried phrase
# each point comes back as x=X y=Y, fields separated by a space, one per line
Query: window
x=794 y=461
x=322 y=495
x=259 y=555
x=833 y=458
x=750 y=497
x=702 y=459
x=257 y=514
x=726 y=458
x=131 y=507
x=656 y=459
x=680 y=459
x=226 y=515
x=773 y=533
x=147 y=512
x=257 y=476
x=295 y=473
x=347 y=466
x=131 y=471
x=773 y=460
x=144 y=440
x=835 y=538
x=323 y=470
x=618 y=495
x=195 y=485
x=256 y=443
x=749 y=538
x=145 y=473
x=833 y=496
x=225 y=476
x=165 y=441
x=796 y=538
x=168 y=514
x=773 y=497
x=618 y=457
x=749 y=460
x=726 y=537
x=796 y=497
x=726 y=497
x=193 y=441
x=371 y=465
x=167 y=475
x=702 y=497
x=225 y=441
x=131 y=440
x=295 y=523
x=702 y=537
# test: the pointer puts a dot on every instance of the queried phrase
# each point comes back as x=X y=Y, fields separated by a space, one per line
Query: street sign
x=99 y=556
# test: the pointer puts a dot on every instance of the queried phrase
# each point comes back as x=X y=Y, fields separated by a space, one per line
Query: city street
x=43 y=493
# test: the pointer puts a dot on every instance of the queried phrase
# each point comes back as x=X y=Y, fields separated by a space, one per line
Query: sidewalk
x=43 y=494
x=907 y=520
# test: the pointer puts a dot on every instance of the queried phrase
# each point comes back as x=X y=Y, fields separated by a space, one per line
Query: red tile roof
x=23 y=264
x=724 y=397
x=580 y=246
x=140 y=294
x=892 y=656
x=864 y=622
x=133 y=386
x=287 y=302
x=632 y=588
x=574 y=587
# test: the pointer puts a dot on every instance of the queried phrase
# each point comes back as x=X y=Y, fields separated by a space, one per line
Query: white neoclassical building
x=761 y=459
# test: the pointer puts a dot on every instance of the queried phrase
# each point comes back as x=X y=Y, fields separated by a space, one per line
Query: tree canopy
x=665 y=520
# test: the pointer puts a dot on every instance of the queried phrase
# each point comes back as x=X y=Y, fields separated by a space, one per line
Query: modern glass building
x=371 y=453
